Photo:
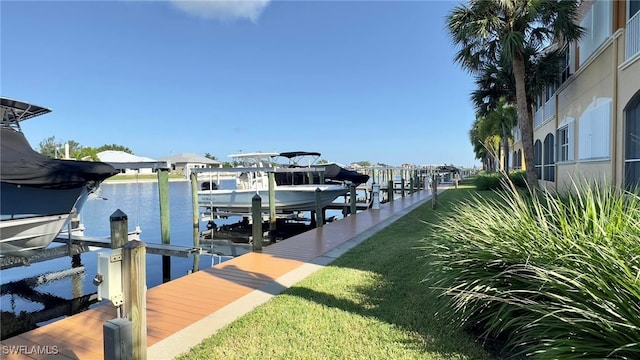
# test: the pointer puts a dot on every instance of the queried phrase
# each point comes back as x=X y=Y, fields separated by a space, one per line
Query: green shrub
x=519 y=178
x=489 y=181
x=557 y=276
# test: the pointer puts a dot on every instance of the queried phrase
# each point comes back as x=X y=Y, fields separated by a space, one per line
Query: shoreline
x=137 y=181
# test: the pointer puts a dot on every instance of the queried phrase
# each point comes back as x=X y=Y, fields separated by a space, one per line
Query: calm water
x=44 y=292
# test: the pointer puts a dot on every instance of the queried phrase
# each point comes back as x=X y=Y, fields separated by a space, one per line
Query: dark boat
x=333 y=173
x=38 y=195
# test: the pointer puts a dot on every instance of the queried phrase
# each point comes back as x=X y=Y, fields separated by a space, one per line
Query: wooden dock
x=180 y=303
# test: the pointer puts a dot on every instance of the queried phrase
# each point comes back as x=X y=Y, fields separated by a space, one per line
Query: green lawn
x=368 y=304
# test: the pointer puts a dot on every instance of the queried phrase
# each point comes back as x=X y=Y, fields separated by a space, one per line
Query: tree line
x=54 y=148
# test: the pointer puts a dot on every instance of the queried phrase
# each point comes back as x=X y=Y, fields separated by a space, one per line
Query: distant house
x=129 y=164
x=181 y=163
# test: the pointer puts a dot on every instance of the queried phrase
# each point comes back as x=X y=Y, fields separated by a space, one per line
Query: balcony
x=549 y=109
x=632 y=36
x=538 y=118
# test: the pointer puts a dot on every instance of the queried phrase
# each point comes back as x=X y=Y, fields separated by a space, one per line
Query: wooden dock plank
x=59 y=347
x=177 y=304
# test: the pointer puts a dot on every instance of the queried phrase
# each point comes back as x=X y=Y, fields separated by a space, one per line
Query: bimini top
x=14 y=111
x=293 y=154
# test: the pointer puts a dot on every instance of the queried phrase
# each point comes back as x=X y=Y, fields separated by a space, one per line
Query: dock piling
x=119 y=224
x=434 y=192
x=352 y=198
x=272 y=206
x=375 y=197
x=165 y=230
x=256 y=228
x=134 y=275
x=196 y=219
x=319 y=217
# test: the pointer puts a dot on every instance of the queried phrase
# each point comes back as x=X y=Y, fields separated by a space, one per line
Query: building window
x=597 y=26
x=595 y=130
x=537 y=158
x=568 y=62
x=514 y=160
x=632 y=145
x=549 y=162
x=564 y=136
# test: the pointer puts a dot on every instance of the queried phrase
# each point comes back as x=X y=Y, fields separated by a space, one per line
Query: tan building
x=588 y=125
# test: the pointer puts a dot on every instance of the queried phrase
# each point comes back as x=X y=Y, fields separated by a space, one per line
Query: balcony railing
x=549 y=109
x=632 y=36
x=538 y=118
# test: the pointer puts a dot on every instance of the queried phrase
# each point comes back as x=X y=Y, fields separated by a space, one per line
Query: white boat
x=38 y=195
x=252 y=179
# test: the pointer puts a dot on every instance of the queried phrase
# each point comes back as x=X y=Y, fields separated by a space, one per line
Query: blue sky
x=358 y=80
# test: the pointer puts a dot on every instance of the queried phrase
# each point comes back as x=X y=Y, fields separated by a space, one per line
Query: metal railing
x=632 y=36
x=549 y=109
x=538 y=118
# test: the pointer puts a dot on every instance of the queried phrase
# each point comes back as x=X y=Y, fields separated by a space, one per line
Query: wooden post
x=165 y=230
x=256 y=217
x=272 y=206
x=119 y=229
x=319 y=217
x=434 y=192
x=352 y=198
x=390 y=191
x=402 y=185
x=134 y=275
x=196 y=219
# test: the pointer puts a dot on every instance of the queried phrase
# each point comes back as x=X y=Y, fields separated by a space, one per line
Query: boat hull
x=31 y=233
x=287 y=198
x=32 y=217
x=27 y=201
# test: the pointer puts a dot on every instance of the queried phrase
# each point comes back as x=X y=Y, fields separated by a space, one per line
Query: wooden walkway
x=173 y=306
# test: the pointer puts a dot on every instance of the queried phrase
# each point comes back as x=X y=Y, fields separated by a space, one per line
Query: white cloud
x=227 y=10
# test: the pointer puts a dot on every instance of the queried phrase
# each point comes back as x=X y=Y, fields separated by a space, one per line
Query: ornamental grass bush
x=495 y=180
x=488 y=181
x=556 y=276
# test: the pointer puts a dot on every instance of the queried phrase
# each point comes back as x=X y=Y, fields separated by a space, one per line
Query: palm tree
x=476 y=140
x=492 y=31
x=485 y=138
x=495 y=95
x=501 y=119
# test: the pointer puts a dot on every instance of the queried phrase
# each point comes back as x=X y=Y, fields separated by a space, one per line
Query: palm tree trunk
x=524 y=122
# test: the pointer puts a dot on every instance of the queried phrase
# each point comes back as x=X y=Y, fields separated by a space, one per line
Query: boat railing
x=250 y=177
x=258 y=169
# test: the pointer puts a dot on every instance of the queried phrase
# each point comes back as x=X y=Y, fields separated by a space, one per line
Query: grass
x=370 y=303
